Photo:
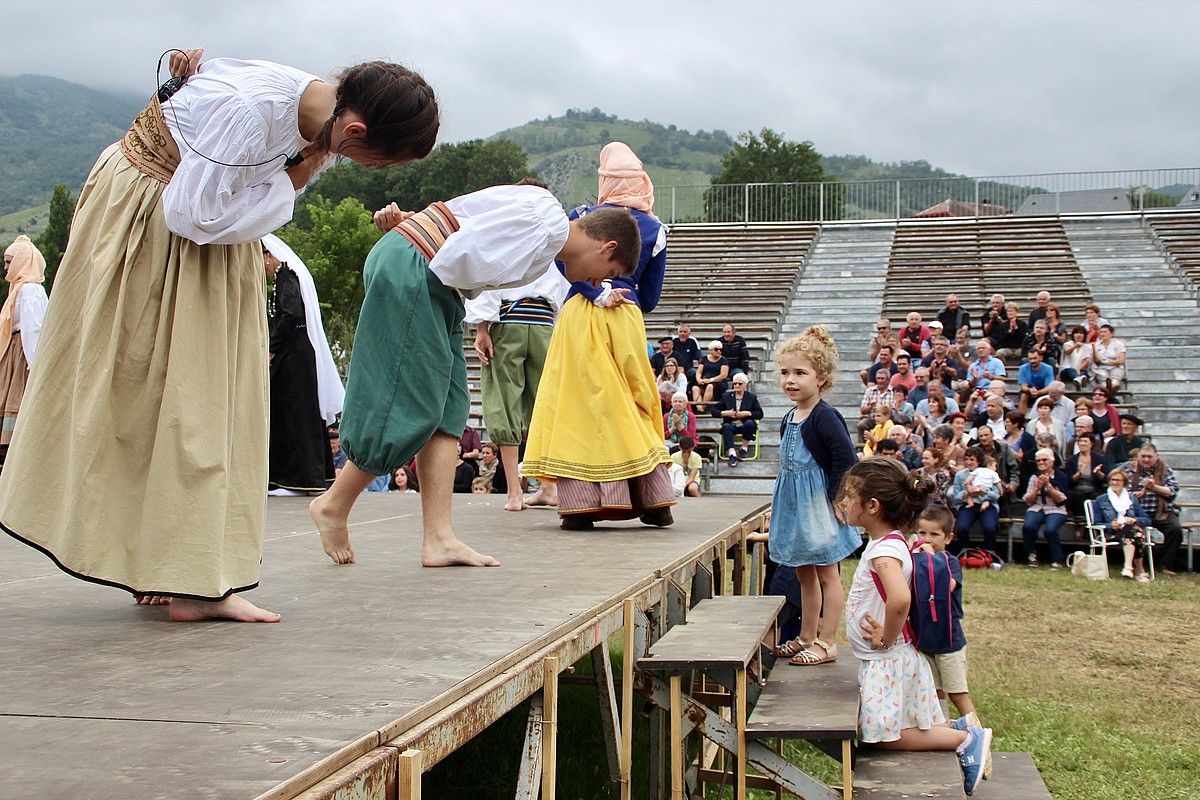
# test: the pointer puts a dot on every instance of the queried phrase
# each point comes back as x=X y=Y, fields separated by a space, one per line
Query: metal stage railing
x=995 y=195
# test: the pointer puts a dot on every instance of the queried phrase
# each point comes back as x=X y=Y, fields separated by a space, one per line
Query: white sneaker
x=1127 y=572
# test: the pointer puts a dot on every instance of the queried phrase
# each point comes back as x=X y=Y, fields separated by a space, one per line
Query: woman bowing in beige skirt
x=148 y=401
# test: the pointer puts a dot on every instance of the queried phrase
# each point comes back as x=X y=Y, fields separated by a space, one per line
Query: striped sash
x=428 y=229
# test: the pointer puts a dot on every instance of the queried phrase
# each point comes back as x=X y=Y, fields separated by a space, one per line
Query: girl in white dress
x=20 y=326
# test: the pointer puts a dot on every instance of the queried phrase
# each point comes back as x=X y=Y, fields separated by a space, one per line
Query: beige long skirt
x=14 y=371
x=140 y=456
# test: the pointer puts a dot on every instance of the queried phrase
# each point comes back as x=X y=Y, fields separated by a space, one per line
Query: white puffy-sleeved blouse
x=508 y=236
x=239 y=112
x=29 y=310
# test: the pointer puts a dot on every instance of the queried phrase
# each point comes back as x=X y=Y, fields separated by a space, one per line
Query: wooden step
x=814 y=703
x=895 y=775
x=720 y=633
x=1014 y=777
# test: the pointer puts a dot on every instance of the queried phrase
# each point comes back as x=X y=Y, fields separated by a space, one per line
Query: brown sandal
x=810 y=658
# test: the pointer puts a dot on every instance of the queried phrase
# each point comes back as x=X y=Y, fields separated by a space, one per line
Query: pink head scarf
x=623 y=181
x=27 y=266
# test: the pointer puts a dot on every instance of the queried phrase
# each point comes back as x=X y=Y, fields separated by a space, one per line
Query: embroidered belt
x=149 y=145
x=428 y=229
x=527 y=310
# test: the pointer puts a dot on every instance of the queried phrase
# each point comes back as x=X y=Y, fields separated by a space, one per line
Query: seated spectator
x=1093 y=321
x=481 y=485
x=949 y=402
x=685 y=468
x=904 y=375
x=671 y=380
x=978 y=407
x=959 y=354
x=678 y=422
x=471 y=444
x=921 y=390
x=1124 y=521
x=1020 y=443
x=1046 y=441
x=1039 y=312
x=335 y=447
x=883 y=424
x=1035 y=377
x=886 y=363
x=1120 y=448
x=933 y=466
x=992 y=417
x=735 y=350
x=686 y=349
x=914 y=337
x=876 y=395
x=934 y=414
x=888 y=449
x=1108 y=360
x=1040 y=340
x=1085 y=475
x=984 y=368
x=739 y=411
x=883 y=336
x=907 y=452
x=1046 y=498
x=902 y=410
x=403 y=480
x=1154 y=484
x=994 y=320
x=958 y=424
x=973 y=500
x=1006 y=465
x=1061 y=407
x=953 y=317
x=1044 y=423
x=1054 y=324
x=1083 y=428
x=489 y=461
x=1076 y=360
x=1105 y=414
x=941 y=365
x=666 y=349
x=943 y=440
x=464 y=473
x=1010 y=337
x=711 y=375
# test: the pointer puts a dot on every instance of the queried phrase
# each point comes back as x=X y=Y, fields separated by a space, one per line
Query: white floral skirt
x=896 y=692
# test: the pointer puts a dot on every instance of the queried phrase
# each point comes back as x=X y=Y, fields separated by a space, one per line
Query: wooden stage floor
x=104 y=699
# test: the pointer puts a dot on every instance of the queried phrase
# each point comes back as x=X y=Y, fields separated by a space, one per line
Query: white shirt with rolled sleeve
x=29 y=310
x=508 y=237
x=239 y=112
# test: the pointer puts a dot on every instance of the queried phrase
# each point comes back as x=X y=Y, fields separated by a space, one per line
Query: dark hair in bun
x=902 y=493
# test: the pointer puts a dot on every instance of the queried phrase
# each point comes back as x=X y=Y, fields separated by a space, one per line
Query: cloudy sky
x=981 y=88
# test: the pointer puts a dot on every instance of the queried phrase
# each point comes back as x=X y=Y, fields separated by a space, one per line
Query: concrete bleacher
x=1178 y=234
x=976 y=258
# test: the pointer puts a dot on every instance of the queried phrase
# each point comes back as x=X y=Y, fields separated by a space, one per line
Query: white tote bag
x=1084 y=565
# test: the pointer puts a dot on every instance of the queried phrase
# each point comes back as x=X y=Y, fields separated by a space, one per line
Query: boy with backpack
x=936 y=614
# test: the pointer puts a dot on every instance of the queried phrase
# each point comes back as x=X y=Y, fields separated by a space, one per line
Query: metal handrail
x=906 y=198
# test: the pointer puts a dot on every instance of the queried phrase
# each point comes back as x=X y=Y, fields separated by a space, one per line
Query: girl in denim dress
x=806 y=532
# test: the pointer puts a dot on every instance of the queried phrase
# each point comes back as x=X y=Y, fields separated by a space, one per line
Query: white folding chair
x=1098 y=542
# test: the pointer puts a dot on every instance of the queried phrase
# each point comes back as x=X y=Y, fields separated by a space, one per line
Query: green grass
x=1100 y=681
x=29 y=221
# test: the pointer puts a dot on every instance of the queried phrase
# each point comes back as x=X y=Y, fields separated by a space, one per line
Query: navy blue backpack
x=931 y=613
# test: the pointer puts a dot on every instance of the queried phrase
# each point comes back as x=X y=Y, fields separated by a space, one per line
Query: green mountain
x=565 y=151
x=51 y=132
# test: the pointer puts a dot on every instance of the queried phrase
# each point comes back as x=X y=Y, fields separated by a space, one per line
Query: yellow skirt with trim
x=597 y=414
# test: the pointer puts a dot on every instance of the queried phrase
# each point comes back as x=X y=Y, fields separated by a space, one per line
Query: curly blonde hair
x=818 y=347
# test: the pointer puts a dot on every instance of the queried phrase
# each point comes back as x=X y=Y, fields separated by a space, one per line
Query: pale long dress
x=140 y=460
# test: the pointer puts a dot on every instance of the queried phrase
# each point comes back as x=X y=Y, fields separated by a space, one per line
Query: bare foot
x=335 y=536
x=540 y=498
x=453 y=553
x=234 y=607
x=515 y=504
x=152 y=600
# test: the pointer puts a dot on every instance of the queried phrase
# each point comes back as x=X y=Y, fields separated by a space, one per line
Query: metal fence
x=1051 y=193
